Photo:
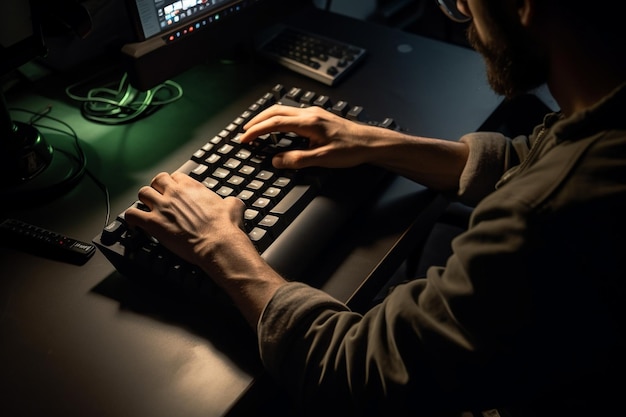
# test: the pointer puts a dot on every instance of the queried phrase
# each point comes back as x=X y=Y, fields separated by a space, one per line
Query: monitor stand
x=25 y=152
x=30 y=170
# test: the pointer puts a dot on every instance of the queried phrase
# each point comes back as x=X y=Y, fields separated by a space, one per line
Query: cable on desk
x=80 y=158
x=124 y=103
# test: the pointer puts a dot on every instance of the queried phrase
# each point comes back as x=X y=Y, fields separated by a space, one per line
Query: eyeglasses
x=450 y=9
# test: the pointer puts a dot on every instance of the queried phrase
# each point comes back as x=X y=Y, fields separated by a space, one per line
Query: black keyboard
x=320 y=58
x=290 y=216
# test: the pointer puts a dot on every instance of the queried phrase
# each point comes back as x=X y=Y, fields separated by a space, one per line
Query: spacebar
x=291 y=199
x=309 y=233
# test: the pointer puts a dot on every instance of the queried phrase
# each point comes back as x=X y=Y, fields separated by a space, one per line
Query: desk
x=84 y=341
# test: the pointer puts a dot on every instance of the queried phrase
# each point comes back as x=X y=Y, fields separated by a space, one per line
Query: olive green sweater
x=527 y=313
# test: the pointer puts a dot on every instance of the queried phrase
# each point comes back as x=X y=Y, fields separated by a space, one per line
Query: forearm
x=244 y=276
x=338 y=143
x=206 y=230
x=435 y=163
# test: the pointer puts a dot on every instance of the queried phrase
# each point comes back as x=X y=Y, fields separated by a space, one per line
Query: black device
x=44 y=242
x=172 y=36
x=323 y=59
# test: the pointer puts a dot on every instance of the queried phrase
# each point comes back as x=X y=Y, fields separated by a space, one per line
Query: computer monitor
x=173 y=35
x=20 y=35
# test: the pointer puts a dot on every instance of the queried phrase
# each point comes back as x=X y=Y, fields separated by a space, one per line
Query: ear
x=525 y=11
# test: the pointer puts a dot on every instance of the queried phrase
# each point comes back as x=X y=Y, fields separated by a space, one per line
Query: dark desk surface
x=83 y=340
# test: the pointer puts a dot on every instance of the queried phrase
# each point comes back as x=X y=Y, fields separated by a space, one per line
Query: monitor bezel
x=151 y=61
x=139 y=29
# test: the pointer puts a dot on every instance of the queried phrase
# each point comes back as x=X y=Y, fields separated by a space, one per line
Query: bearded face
x=513 y=59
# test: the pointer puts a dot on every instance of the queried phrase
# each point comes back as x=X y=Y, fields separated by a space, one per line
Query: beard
x=514 y=64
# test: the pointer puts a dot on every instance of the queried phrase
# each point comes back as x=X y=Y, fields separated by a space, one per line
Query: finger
x=137 y=217
x=235 y=203
x=297 y=159
x=188 y=184
x=262 y=127
x=182 y=178
x=149 y=196
x=274 y=110
x=276 y=118
x=237 y=207
x=161 y=181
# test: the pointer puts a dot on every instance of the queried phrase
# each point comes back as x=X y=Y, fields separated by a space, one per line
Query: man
x=526 y=315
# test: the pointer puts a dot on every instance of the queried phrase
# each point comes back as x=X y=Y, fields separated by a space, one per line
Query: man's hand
x=334 y=142
x=206 y=230
x=186 y=217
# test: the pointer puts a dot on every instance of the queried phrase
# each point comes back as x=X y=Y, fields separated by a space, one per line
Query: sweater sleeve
x=397 y=359
x=485 y=165
x=429 y=344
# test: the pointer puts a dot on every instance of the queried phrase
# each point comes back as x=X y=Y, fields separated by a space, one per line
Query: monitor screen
x=154 y=17
x=20 y=35
x=173 y=35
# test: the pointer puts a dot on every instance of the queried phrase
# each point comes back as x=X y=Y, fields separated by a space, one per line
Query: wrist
x=244 y=276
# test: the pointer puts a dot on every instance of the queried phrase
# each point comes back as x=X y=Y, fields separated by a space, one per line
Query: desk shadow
x=212 y=317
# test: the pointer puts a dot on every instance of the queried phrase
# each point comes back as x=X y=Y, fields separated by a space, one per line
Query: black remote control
x=39 y=241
